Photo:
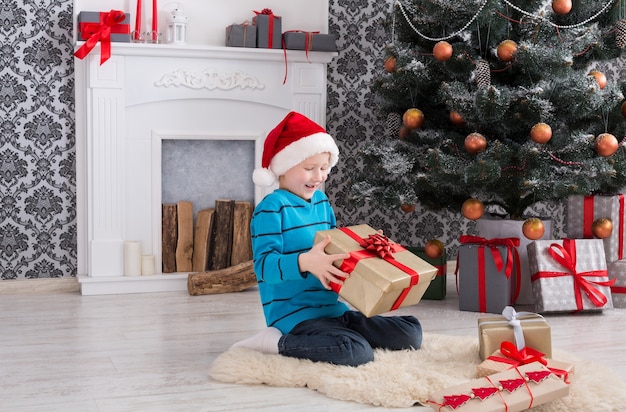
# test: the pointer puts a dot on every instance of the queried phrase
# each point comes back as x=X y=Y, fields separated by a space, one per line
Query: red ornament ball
x=475 y=143
x=434 y=248
x=562 y=7
x=602 y=228
x=624 y=109
x=506 y=50
x=533 y=228
x=457 y=119
x=390 y=64
x=600 y=78
x=442 y=51
x=606 y=144
x=473 y=209
x=541 y=133
x=413 y=118
x=407 y=208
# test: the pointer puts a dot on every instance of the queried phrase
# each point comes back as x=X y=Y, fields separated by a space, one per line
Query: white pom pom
x=263 y=177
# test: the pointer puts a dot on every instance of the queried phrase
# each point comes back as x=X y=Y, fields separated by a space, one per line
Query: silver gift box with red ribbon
x=569 y=275
x=383 y=275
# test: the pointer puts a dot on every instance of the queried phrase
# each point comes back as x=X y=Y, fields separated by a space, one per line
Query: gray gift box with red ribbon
x=569 y=275
x=241 y=35
x=483 y=287
x=119 y=33
x=300 y=40
x=269 y=30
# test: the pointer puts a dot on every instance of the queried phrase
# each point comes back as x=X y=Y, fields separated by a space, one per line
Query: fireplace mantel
x=144 y=92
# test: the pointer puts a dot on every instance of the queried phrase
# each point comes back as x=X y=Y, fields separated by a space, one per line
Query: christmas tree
x=503 y=103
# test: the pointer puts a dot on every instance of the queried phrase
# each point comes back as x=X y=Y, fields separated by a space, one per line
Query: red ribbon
x=512 y=258
x=587 y=217
x=524 y=356
x=101 y=32
x=270 y=30
x=377 y=246
x=618 y=289
x=620 y=227
x=566 y=256
x=308 y=41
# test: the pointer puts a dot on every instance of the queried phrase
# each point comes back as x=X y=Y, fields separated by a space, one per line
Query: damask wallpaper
x=37 y=152
x=37 y=156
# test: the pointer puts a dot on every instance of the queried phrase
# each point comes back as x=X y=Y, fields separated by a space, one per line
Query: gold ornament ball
x=606 y=144
x=413 y=118
x=533 y=228
x=434 y=248
x=475 y=143
x=457 y=119
x=600 y=78
x=506 y=50
x=541 y=133
x=473 y=209
x=390 y=64
x=442 y=51
x=562 y=7
x=407 y=208
x=602 y=228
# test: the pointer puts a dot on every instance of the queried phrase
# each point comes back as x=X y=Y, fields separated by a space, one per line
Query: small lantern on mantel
x=177 y=27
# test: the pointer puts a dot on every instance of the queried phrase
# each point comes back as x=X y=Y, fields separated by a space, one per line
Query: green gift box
x=437 y=288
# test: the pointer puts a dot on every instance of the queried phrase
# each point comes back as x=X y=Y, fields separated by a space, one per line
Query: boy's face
x=306 y=177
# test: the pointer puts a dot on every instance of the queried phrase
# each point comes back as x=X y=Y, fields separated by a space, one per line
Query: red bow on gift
x=516 y=357
x=379 y=244
x=101 y=32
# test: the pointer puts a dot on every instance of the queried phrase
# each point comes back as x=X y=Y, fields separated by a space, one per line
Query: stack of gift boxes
x=578 y=273
x=517 y=371
x=265 y=31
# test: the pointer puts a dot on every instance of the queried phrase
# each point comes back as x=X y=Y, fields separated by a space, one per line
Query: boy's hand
x=320 y=264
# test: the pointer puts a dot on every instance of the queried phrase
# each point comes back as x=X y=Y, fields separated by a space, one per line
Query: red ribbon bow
x=566 y=256
x=379 y=244
x=516 y=357
x=101 y=32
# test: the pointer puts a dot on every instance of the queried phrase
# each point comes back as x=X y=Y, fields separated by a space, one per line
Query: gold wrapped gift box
x=494 y=330
x=376 y=285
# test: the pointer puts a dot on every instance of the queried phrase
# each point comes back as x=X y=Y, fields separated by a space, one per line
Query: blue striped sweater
x=283 y=226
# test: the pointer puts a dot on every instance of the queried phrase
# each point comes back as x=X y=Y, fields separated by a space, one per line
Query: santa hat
x=295 y=139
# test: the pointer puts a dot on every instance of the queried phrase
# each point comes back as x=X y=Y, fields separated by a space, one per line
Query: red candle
x=137 y=34
x=155 y=18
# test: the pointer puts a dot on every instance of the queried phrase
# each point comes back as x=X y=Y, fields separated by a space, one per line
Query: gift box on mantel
x=583 y=211
x=383 y=275
x=269 y=29
x=617 y=271
x=488 y=273
x=241 y=35
x=90 y=21
x=569 y=275
x=437 y=288
x=508 y=357
x=309 y=41
x=525 y=329
x=513 y=390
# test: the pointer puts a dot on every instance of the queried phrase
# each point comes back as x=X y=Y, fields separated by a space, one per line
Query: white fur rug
x=405 y=378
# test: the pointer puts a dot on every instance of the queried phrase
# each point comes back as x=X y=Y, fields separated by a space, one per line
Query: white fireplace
x=146 y=93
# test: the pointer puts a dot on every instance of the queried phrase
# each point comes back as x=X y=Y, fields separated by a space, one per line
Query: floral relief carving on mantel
x=207 y=79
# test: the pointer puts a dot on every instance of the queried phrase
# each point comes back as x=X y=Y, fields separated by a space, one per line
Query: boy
x=304 y=316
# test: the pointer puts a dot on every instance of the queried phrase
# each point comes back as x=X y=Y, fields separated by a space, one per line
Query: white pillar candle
x=147 y=265
x=132 y=258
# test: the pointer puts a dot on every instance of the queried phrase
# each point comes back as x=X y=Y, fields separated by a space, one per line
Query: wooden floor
x=152 y=352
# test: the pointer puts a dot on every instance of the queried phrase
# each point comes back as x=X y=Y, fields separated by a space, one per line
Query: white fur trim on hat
x=263 y=177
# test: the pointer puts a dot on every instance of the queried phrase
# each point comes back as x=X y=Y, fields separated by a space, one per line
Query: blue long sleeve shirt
x=283 y=226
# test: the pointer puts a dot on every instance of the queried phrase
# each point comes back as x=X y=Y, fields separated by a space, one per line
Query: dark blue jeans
x=351 y=338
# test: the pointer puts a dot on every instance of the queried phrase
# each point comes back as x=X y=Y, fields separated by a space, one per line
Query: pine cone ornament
x=483 y=74
x=393 y=125
x=620 y=33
